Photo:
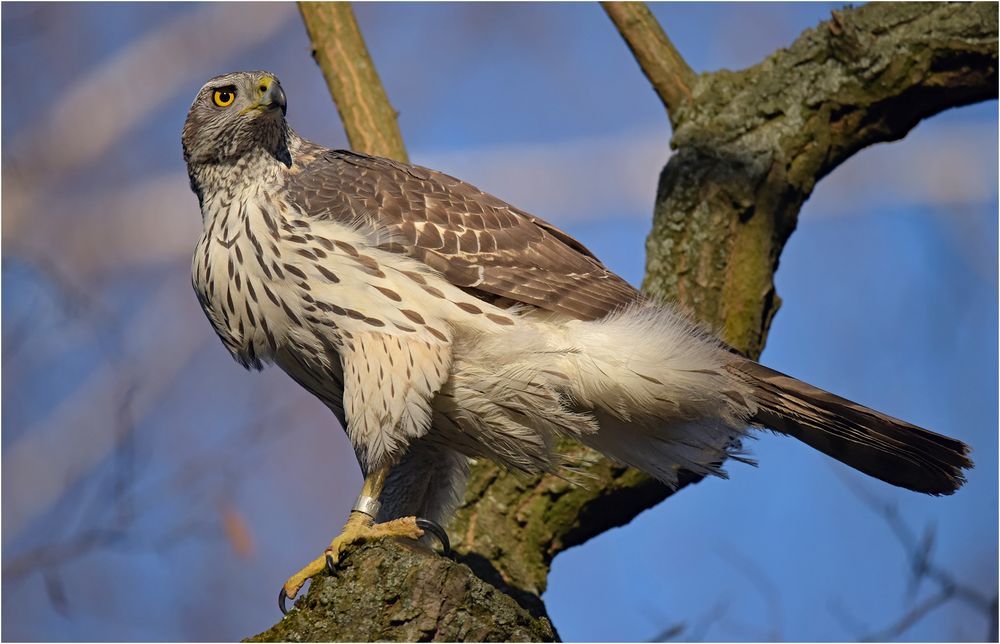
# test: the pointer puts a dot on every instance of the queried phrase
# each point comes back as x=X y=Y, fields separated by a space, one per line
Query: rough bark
x=395 y=591
x=750 y=147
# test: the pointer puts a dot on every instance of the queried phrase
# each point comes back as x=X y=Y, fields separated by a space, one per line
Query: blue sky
x=889 y=286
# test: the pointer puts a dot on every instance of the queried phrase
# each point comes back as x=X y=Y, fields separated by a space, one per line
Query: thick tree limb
x=724 y=211
x=659 y=59
x=750 y=147
x=392 y=591
x=340 y=52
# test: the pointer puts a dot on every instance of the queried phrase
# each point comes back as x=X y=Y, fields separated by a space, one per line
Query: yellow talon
x=359 y=529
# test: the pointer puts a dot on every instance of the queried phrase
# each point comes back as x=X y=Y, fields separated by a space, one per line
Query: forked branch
x=659 y=59
x=750 y=146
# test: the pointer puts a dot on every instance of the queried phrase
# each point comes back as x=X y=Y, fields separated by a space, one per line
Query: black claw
x=282 y=597
x=429 y=526
x=330 y=566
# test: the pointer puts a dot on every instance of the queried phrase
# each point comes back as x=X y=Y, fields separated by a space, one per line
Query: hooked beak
x=270 y=95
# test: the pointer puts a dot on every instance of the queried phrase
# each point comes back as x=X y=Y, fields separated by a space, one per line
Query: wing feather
x=476 y=241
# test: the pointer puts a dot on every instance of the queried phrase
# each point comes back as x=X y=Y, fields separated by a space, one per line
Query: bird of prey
x=440 y=323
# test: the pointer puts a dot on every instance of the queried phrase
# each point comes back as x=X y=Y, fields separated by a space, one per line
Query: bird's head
x=234 y=114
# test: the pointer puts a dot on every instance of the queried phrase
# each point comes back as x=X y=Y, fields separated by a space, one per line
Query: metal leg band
x=367 y=505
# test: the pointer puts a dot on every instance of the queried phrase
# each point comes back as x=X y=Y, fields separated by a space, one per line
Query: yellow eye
x=224 y=97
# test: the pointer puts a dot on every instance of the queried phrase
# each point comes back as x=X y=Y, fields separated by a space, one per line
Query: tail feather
x=649 y=388
x=878 y=445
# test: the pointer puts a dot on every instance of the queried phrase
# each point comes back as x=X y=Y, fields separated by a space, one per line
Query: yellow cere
x=224 y=98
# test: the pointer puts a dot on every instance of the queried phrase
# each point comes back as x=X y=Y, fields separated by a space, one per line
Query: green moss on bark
x=397 y=591
x=750 y=147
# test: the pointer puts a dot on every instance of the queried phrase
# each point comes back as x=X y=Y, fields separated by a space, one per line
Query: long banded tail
x=878 y=445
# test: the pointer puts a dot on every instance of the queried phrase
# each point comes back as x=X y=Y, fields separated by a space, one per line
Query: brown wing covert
x=475 y=240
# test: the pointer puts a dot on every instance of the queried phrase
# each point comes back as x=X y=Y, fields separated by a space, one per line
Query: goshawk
x=439 y=323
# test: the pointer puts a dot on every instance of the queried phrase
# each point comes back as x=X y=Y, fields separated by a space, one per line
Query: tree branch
x=659 y=59
x=750 y=147
x=340 y=51
x=726 y=204
x=393 y=591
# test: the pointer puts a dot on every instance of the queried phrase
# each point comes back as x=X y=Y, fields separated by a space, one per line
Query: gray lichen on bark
x=393 y=591
x=749 y=149
x=751 y=145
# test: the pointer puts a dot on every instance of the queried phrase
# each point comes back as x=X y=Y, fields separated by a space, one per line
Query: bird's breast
x=280 y=285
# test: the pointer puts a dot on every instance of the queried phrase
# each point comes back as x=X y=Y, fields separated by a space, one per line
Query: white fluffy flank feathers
x=649 y=380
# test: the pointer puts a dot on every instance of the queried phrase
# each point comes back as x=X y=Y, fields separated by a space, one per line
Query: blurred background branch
x=919 y=554
x=42 y=155
x=140 y=376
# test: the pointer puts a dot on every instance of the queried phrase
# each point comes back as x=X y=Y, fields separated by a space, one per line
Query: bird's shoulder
x=474 y=239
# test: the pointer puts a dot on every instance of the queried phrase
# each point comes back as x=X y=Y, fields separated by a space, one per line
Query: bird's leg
x=361 y=527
